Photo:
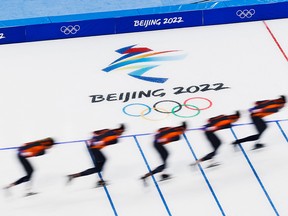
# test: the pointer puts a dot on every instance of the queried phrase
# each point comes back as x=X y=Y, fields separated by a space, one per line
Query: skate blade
x=165 y=179
x=30 y=194
x=213 y=165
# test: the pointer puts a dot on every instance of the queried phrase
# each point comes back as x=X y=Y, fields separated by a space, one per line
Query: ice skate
x=236 y=147
x=143 y=179
x=258 y=146
x=69 y=179
x=193 y=165
x=165 y=177
x=101 y=183
x=30 y=194
x=213 y=164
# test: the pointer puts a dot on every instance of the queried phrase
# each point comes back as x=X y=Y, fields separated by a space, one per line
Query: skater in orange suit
x=100 y=139
x=257 y=113
x=28 y=150
x=215 y=124
x=164 y=136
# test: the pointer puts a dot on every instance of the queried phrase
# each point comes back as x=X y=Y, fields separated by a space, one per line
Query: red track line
x=275 y=40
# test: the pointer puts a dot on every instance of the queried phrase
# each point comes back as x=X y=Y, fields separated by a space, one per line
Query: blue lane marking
x=108 y=196
x=282 y=131
x=8 y=148
x=105 y=188
x=56 y=143
x=205 y=177
x=153 y=178
x=256 y=175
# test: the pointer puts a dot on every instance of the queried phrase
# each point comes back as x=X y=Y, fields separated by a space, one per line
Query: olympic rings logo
x=167 y=107
x=245 y=13
x=70 y=29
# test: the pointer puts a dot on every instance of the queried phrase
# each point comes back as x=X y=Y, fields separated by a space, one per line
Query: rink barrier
x=138 y=20
x=149 y=134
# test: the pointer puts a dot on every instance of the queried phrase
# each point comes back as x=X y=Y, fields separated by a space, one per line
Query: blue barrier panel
x=12 y=35
x=137 y=20
x=70 y=29
x=230 y=15
x=245 y=13
x=272 y=11
x=158 y=21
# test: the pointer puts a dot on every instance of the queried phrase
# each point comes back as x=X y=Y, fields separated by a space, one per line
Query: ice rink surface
x=47 y=89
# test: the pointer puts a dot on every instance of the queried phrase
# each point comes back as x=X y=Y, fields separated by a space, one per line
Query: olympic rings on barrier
x=70 y=29
x=245 y=13
x=167 y=111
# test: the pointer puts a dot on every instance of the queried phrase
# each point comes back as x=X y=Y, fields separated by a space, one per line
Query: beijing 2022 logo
x=140 y=60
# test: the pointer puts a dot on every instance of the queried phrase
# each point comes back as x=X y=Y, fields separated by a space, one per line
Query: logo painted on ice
x=2 y=36
x=140 y=60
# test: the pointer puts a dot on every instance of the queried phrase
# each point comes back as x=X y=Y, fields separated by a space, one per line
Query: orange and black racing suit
x=100 y=140
x=214 y=124
x=31 y=149
x=164 y=136
x=260 y=110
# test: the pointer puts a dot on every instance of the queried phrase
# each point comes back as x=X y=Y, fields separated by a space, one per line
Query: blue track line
x=282 y=131
x=105 y=188
x=108 y=196
x=153 y=178
x=205 y=177
x=57 y=143
x=256 y=175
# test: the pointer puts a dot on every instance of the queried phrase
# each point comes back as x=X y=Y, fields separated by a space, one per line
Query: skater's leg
x=98 y=159
x=28 y=168
x=154 y=171
x=162 y=151
x=260 y=126
x=208 y=156
x=164 y=155
x=213 y=139
x=215 y=142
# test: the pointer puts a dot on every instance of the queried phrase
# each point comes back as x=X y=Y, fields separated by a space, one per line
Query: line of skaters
x=106 y=137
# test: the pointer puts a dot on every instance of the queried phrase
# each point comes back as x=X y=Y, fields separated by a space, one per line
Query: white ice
x=45 y=88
